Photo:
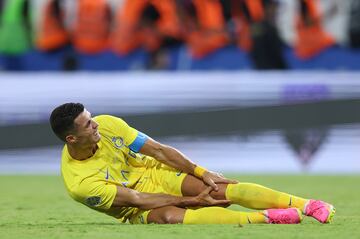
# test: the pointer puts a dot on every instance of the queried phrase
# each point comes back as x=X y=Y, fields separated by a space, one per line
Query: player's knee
x=170 y=217
x=166 y=215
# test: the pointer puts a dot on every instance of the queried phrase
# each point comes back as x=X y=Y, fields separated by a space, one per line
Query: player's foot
x=321 y=211
x=283 y=216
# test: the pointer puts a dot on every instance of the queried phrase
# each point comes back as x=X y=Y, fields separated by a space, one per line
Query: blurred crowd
x=259 y=27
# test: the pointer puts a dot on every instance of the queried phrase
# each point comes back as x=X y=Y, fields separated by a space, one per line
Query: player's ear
x=70 y=139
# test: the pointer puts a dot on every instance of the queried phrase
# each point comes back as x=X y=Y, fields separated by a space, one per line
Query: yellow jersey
x=115 y=163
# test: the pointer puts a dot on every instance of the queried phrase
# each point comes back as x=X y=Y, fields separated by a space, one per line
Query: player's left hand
x=212 y=178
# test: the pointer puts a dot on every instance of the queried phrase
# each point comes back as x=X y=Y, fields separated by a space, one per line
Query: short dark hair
x=62 y=119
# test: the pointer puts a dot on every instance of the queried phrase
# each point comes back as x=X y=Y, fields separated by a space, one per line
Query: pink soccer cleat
x=283 y=216
x=321 y=211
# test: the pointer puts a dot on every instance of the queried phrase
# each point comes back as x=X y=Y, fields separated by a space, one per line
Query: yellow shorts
x=160 y=179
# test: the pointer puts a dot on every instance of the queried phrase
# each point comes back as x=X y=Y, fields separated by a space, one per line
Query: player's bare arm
x=174 y=158
x=126 y=197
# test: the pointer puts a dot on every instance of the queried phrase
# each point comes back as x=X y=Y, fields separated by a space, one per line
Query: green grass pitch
x=39 y=207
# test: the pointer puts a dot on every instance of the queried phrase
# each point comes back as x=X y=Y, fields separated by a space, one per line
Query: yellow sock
x=255 y=196
x=219 y=215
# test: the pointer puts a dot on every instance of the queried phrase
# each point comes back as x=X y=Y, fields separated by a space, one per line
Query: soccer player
x=115 y=169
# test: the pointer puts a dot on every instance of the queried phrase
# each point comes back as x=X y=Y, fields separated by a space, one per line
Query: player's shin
x=219 y=215
x=255 y=196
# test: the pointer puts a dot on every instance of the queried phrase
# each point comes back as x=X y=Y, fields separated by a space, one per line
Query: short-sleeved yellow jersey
x=116 y=163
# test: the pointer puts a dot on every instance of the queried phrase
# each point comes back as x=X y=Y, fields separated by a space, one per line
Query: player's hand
x=212 y=178
x=204 y=199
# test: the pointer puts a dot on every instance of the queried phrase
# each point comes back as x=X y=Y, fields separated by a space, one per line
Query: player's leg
x=248 y=195
x=219 y=215
x=255 y=196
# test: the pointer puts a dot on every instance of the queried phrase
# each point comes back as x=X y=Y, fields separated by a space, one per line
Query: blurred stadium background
x=248 y=86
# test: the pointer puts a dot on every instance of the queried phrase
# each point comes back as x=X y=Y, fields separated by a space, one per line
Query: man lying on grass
x=115 y=169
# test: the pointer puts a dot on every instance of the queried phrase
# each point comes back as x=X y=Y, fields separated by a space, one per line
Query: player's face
x=86 y=129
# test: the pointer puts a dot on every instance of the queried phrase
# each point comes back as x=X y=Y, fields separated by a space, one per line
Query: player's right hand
x=205 y=200
x=212 y=178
